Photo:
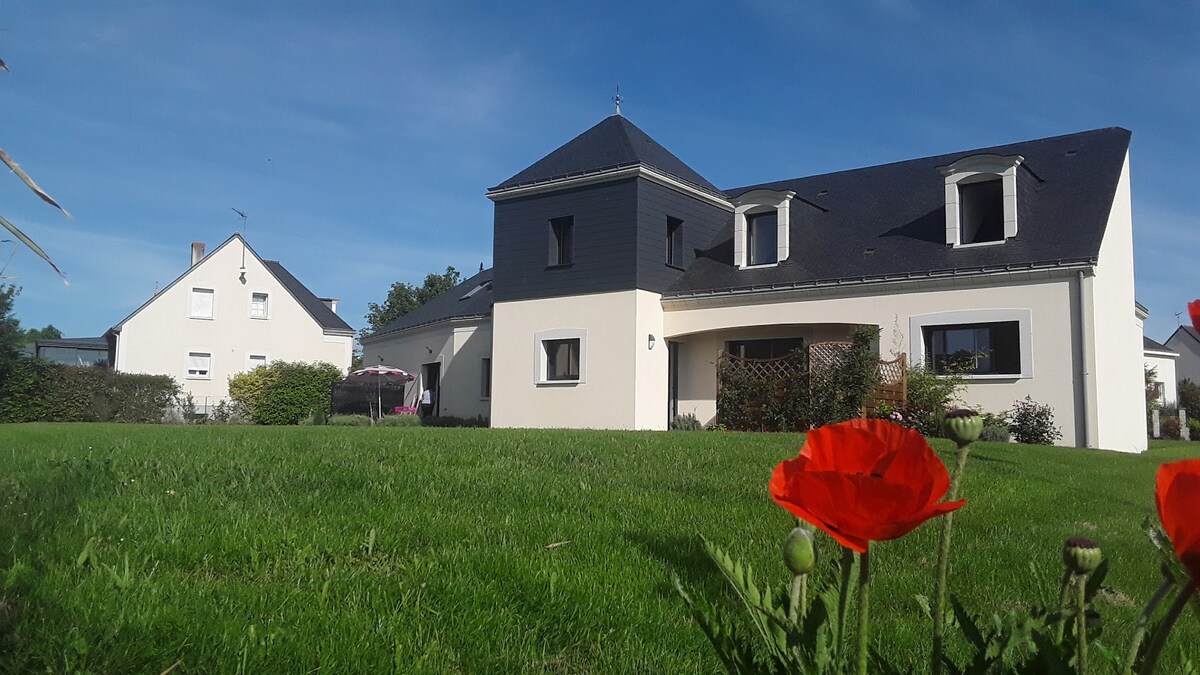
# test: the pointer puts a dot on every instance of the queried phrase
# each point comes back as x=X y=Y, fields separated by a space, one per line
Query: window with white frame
x=202 y=302
x=255 y=360
x=560 y=356
x=199 y=365
x=979 y=343
x=761 y=227
x=981 y=199
x=258 y=305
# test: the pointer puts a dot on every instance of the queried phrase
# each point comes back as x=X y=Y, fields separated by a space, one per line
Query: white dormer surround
x=971 y=171
x=754 y=203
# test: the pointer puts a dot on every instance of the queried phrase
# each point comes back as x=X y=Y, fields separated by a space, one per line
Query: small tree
x=1033 y=423
x=1188 y=397
x=403 y=298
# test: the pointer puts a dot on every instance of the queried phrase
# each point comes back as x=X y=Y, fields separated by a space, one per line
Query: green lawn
x=292 y=550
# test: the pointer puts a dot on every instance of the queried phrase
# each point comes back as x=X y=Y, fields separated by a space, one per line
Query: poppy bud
x=799 y=553
x=963 y=426
x=1081 y=555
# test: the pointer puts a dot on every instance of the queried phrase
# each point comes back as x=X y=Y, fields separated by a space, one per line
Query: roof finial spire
x=617 y=100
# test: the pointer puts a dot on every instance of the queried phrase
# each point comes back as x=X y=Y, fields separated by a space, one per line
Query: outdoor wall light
x=650 y=341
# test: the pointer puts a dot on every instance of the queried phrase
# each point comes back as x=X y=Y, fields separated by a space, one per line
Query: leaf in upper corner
x=31 y=244
x=16 y=168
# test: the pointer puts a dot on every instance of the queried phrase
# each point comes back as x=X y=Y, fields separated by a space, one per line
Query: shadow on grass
x=682 y=557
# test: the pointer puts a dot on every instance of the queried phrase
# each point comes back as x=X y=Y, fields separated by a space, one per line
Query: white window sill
x=984 y=378
x=558 y=383
x=260 y=318
x=201 y=318
x=762 y=266
x=198 y=377
x=981 y=244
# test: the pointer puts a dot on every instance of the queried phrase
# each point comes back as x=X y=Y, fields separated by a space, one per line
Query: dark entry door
x=431 y=377
x=672 y=382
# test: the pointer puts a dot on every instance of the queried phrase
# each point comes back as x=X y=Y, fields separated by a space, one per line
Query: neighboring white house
x=231 y=311
x=1160 y=362
x=620 y=274
x=1186 y=342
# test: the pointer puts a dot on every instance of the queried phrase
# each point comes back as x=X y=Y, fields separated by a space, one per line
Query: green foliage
x=349 y=421
x=11 y=336
x=1033 y=423
x=1169 y=428
x=400 y=421
x=1193 y=428
x=1188 y=397
x=403 y=298
x=40 y=391
x=804 y=399
x=930 y=395
x=686 y=422
x=47 y=333
x=284 y=392
x=995 y=434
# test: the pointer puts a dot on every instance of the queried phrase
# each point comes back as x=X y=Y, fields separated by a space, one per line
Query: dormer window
x=981 y=199
x=761 y=220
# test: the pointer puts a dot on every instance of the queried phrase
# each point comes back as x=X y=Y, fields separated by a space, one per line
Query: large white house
x=229 y=312
x=620 y=273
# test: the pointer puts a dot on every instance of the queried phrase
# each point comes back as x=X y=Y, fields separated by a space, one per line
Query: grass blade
x=16 y=168
x=31 y=244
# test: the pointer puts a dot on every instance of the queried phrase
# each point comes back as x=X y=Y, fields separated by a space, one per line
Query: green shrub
x=995 y=434
x=1033 y=423
x=32 y=390
x=686 y=422
x=349 y=421
x=452 y=421
x=1168 y=427
x=399 y=421
x=929 y=396
x=1188 y=397
x=284 y=392
x=1193 y=428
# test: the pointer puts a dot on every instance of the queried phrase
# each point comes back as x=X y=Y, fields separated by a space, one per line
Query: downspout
x=1084 y=360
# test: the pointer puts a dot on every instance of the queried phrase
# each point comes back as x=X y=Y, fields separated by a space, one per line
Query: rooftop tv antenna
x=1178 y=321
x=616 y=99
x=242 y=216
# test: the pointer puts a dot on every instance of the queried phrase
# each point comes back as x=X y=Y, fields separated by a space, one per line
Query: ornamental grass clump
x=866 y=481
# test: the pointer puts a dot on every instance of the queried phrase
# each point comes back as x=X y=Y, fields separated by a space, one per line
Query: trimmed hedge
x=32 y=390
x=284 y=392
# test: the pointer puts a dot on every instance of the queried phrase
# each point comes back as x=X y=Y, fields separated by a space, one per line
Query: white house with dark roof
x=1160 y=369
x=231 y=311
x=620 y=273
x=1186 y=342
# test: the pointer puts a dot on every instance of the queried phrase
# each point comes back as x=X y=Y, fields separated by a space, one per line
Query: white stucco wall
x=1164 y=371
x=624 y=383
x=703 y=327
x=460 y=349
x=1187 y=366
x=158 y=338
x=1117 y=367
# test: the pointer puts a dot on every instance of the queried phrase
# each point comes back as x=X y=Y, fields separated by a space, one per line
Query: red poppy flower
x=1178 y=494
x=864 y=481
x=1194 y=312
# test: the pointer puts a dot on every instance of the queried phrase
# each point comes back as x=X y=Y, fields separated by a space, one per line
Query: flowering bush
x=873 y=480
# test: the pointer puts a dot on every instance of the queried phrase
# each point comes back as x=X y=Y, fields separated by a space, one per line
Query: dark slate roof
x=1186 y=330
x=77 y=343
x=888 y=221
x=613 y=143
x=449 y=305
x=327 y=318
x=1152 y=346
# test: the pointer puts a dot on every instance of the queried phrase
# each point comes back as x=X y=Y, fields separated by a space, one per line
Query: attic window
x=761 y=227
x=981 y=212
x=981 y=199
x=487 y=285
x=562 y=241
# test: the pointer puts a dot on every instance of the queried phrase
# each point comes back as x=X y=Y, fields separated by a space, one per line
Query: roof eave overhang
x=452 y=321
x=605 y=176
x=1008 y=271
x=1159 y=352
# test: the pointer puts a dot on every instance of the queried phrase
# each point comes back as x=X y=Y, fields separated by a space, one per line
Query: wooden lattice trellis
x=778 y=372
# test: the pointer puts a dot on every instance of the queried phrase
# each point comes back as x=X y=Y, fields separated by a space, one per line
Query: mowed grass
x=333 y=550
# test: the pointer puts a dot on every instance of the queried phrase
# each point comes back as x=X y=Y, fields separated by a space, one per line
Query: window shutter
x=202 y=303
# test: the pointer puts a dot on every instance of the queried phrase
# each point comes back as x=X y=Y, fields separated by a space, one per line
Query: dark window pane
x=976 y=349
x=763 y=238
x=562 y=359
x=764 y=349
x=981 y=212
x=675 y=242
x=562 y=241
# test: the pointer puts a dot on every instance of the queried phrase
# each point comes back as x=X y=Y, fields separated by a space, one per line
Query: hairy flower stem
x=1139 y=632
x=864 y=599
x=943 y=562
x=1164 y=628
x=1064 y=594
x=844 y=600
x=1081 y=645
x=798 y=605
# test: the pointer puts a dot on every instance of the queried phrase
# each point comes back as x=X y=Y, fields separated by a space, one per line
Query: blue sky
x=360 y=140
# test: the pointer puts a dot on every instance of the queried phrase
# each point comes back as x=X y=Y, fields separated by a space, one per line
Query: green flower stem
x=844 y=600
x=797 y=602
x=1164 y=628
x=1139 y=632
x=1081 y=645
x=1064 y=594
x=864 y=599
x=943 y=562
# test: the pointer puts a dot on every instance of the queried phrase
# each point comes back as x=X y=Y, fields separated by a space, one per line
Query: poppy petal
x=844 y=448
x=1194 y=313
x=1178 y=497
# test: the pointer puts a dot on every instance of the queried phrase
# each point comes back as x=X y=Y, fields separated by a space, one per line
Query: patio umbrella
x=379 y=374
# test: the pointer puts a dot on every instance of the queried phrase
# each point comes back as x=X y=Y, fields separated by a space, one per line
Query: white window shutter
x=202 y=303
